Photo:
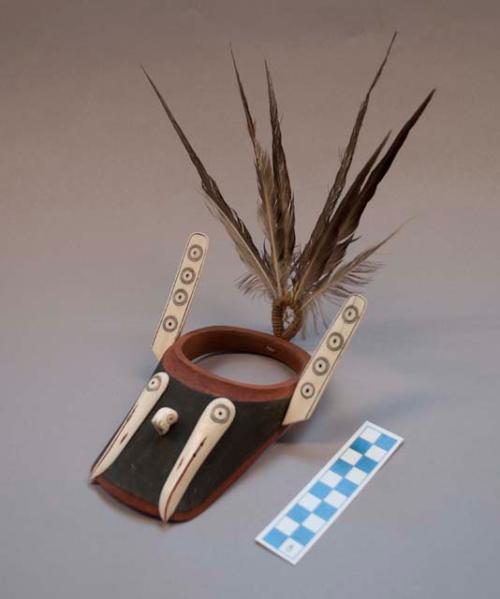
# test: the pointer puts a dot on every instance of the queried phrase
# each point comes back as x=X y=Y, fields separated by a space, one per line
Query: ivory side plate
x=181 y=294
x=320 y=367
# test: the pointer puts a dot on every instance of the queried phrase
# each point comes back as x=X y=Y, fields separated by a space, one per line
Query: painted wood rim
x=178 y=361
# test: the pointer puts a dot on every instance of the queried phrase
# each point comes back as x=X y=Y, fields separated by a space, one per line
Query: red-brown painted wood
x=177 y=361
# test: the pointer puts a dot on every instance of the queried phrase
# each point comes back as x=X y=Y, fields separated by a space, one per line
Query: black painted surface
x=145 y=463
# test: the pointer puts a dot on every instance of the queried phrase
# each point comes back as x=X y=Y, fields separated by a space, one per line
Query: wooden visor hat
x=192 y=433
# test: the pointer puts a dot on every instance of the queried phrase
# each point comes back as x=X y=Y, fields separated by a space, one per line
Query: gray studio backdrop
x=96 y=200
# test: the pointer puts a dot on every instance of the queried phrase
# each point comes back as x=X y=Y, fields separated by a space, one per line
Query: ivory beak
x=211 y=426
x=142 y=407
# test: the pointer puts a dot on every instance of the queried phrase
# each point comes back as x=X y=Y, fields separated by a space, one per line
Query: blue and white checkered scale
x=317 y=506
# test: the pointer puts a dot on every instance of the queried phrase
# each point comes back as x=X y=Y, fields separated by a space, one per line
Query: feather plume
x=233 y=224
x=298 y=284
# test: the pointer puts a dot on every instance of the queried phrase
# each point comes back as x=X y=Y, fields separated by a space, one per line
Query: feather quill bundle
x=296 y=282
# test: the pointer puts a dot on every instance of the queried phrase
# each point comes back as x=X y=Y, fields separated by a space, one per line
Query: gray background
x=97 y=198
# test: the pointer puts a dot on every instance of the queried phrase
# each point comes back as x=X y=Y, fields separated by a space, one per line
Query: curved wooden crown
x=178 y=361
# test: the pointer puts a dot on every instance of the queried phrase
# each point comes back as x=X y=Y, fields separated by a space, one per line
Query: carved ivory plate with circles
x=191 y=433
x=181 y=295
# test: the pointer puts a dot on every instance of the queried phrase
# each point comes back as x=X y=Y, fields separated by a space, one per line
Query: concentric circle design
x=195 y=253
x=154 y=384
x=180 y=297
x=350 y=314
x=220 y=413
x=335 y=342
x=187 y=275
x=170 y=323
x=307 y=390
x=320 y=366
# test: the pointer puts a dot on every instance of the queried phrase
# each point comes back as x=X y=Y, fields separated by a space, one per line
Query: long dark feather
x=309 y=272
x=340 y=282
x=269 y=213
x=233 y=224
x=345 y=164
x=342 y=226
x=281 y=180
x=346 y=218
